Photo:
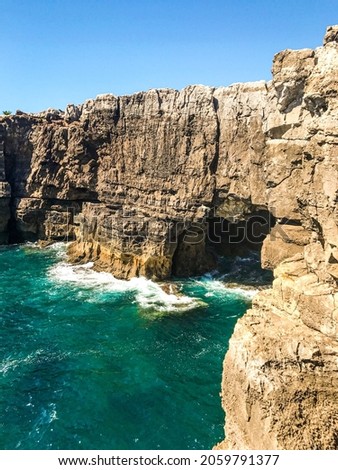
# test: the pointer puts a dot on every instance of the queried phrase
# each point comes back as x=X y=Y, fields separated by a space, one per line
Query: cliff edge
x=141 y=185
x=280 y=375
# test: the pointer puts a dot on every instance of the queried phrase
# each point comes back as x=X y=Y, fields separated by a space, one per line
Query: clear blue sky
x=55 y=52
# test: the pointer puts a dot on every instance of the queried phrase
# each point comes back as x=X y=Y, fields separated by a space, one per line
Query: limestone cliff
x=138 y=182
x=280 y=378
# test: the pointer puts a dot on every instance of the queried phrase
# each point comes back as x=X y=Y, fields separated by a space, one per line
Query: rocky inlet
x=141 y=185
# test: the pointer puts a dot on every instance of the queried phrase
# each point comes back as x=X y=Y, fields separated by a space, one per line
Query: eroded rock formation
x=280 y=378
x=138 y=181
x=5 y=194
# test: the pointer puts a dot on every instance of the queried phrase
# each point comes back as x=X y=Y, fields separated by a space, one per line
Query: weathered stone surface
x=280 y=382
x=5 y=194
x=283 y=242
x=138 y=181
x=331 y=34
x=280 y=374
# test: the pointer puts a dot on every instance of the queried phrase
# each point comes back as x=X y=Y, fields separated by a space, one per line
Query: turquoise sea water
x=90 y=362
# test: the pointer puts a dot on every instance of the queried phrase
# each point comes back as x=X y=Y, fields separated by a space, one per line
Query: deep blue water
x=90 y=362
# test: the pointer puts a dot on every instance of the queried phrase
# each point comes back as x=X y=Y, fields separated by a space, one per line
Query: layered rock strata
x=140 y=183
x=280 y=377
x=5 y=194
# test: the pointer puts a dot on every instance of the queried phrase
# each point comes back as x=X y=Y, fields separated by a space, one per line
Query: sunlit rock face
x=138 y=183
x=280 y=379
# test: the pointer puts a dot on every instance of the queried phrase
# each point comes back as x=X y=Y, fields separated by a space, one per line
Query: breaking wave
x=215 y=287
x=147 y=294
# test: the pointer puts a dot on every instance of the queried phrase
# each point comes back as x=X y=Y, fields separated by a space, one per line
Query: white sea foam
x=148 y=294
x=152 y=297
x=242 y=291
x=8 y=364
x=84 y=276
x=11 y=363
x=59 y=248
x=40 y=356
x=216 y=287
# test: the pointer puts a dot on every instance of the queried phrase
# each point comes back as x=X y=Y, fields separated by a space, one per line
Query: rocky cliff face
x=280 y=378
x=5 y=193
x=140 y=183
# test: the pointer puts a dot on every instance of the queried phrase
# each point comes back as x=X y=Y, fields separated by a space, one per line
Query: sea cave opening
x=219 y=242
x=236 y=244
x=237 y=236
